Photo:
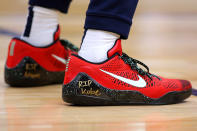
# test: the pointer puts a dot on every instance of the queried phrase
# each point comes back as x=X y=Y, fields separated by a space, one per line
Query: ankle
x=41 y=26
x=96 y=44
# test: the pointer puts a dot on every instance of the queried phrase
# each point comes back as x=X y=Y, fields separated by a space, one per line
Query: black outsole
x=85 y=91
x=29 y=73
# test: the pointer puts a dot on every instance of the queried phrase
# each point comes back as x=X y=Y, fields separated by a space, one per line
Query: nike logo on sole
x=139 y=83
x=60 y=59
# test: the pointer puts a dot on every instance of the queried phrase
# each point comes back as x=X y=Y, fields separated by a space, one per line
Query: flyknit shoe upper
x=46 y=56
x=121 y=72
x=51 y=58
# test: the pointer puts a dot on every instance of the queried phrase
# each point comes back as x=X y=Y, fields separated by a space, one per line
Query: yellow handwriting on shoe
x=84 y=83
x=31 y=71
x=30 y=67
x=90 y=92
x=31 y=75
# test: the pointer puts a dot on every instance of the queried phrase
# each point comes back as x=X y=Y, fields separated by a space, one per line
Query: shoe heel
x=30 y=73
x=83 y=90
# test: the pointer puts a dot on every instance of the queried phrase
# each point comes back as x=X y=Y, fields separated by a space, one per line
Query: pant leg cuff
x=110 y=24
x=52 y=4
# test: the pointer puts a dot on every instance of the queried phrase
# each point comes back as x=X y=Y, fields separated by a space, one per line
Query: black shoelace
x=69 y=45
x=134 y=66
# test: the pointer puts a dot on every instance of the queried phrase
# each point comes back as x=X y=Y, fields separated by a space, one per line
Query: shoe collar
x=56 y=34
x=117 y=48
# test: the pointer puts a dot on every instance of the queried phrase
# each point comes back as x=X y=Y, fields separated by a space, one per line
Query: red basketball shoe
x=118 y=80
x=28 y=65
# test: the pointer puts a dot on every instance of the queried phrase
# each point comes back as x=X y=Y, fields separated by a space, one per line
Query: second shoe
x=28 y=65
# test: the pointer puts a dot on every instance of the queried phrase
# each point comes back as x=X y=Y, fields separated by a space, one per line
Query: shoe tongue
x=117 y=48
x=57 y=33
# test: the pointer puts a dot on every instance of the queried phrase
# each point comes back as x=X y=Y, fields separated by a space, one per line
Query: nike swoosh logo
x=139 y=83
x=60 y=59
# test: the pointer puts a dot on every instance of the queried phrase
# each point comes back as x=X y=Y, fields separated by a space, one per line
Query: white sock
x=96 y=44
x=43 y=24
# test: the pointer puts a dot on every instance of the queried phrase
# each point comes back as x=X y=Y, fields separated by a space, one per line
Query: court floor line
x=194 y=92
x=8 y=33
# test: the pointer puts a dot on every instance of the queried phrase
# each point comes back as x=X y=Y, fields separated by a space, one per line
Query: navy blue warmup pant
x=109 y=15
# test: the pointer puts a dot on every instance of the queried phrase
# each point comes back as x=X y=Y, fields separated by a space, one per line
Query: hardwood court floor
x=166 y=42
